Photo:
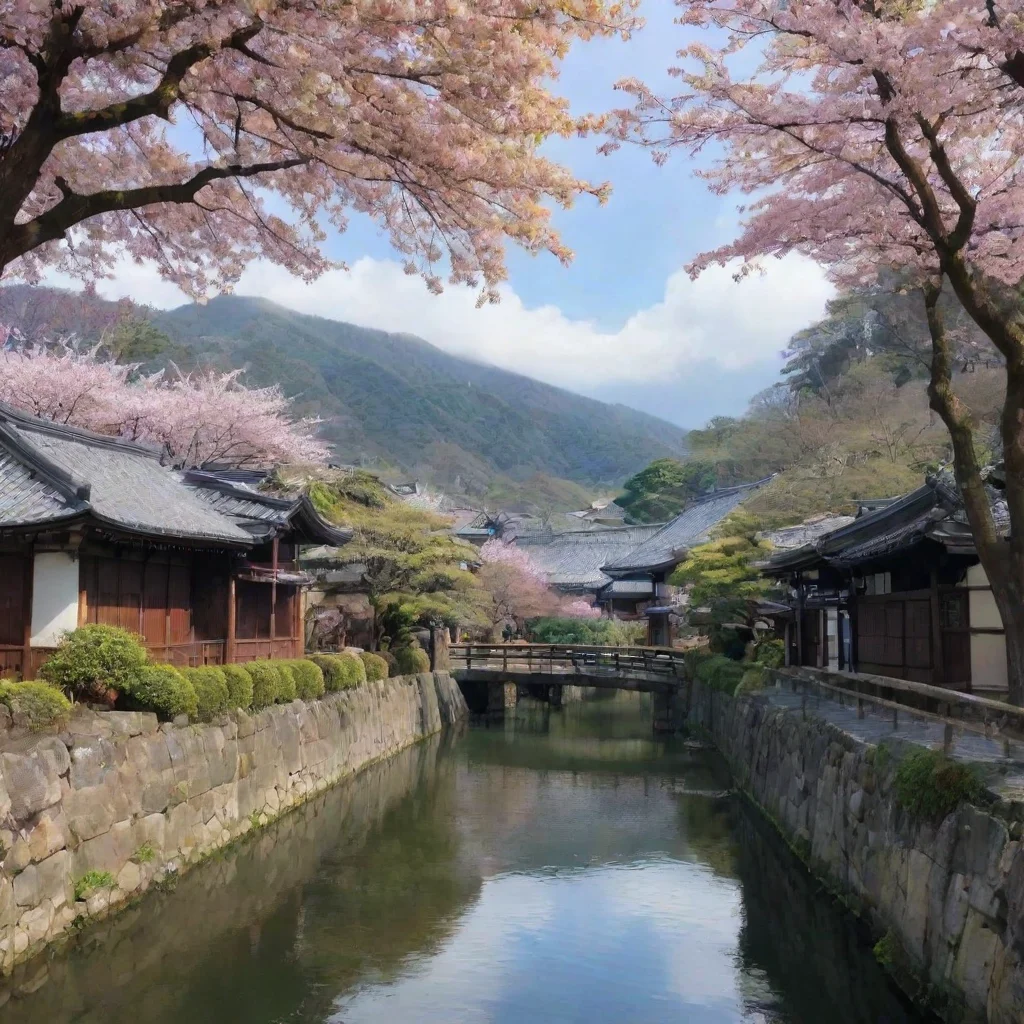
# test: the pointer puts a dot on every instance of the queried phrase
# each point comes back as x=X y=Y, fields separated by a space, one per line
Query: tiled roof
x=261 y=515
x=691 y=527
x=932 y=512
x=574 y=560
x=51 y=473
x=121 y=484
x=787 y=538
x=627 y=588
x=26 y=497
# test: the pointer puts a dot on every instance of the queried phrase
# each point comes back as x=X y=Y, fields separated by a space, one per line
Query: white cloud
x=715 y=318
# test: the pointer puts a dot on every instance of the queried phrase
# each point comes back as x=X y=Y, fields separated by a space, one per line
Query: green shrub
x=91 y=881
x=411 y=659
x=332 y=670
x=376 y=667
x=93 y=659
x=931 y=785
x=239 y=686
x=770 y=653
x=352 y=671
x=266 y=682
x=163 y=689
x=211 y=688
x=720 y=673
x=600 y=632
x=755 y=677
x=286 y=688
x=309 y=679
x=391 y=660
x=694 y=658
x=39 y=705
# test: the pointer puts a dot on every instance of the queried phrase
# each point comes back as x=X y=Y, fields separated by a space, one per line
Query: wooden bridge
x=653 y=669
x=491 y=675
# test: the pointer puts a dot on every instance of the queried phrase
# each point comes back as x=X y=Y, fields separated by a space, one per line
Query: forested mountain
x=392 y=398
x=849 y=419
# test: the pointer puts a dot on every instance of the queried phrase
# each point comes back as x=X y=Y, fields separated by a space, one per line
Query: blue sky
x=623 y=322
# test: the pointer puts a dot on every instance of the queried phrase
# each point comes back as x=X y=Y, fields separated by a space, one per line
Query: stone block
x=54 y=754
x=49 y=835
x=92 y=759
x=31 y=786
x=107 y=852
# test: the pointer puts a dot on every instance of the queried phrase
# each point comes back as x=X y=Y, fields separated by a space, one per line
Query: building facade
x=94 y=529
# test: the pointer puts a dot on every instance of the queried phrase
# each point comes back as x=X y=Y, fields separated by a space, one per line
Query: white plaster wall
x=988 y=651
x=54 y=597
x=988 y=662
x=832 y=633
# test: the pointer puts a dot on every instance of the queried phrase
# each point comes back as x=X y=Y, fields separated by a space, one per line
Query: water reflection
x=553 y=868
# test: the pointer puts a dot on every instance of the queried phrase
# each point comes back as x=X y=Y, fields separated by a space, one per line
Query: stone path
x=877 y=725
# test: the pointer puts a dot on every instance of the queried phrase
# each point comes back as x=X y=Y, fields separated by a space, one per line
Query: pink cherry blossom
x=199 y=418
x=202 y=133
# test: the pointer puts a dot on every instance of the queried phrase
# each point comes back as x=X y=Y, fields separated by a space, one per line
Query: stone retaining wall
x=122 y=794
x=948 y=897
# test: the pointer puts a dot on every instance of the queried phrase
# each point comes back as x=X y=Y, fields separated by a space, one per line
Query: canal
x=561 y=866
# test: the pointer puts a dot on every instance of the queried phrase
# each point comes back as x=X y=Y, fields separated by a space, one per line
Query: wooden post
x=852 y=605
x=938 y=668
x=83 y=593
x=229 y=645
x=799 y=618
x=298 y=627
x=273 y=593
x=26 y=650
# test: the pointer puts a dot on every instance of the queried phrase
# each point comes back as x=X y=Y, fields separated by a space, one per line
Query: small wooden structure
x=898 y=592
x=94 y=529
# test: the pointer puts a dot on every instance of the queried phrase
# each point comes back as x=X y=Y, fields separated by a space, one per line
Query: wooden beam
x=27 y=587
x=83 y=590
x=274 y=548
x=799 y=619
x=229 y=645
x=938 y=666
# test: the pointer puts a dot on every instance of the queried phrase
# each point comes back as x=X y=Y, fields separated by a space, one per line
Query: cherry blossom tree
x=201 y=418
x=202 y=133
x=516 y=588
x=877 y=136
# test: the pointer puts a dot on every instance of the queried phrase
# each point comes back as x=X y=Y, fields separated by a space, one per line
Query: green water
x=563 y=866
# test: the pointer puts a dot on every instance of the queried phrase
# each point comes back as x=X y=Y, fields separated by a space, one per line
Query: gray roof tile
x=128 y=487
x=691 y=527
x=574 y=560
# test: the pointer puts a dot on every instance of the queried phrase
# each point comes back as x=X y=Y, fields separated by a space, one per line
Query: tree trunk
x=1002 y=559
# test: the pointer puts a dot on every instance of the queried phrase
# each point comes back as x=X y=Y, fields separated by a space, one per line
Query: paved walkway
x=878 y=725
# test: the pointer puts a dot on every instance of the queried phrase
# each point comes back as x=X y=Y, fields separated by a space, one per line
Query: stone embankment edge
x=946 y=899
x=123 y=796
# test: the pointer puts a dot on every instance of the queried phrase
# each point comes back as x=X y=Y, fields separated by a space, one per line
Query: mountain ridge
x=395 y=395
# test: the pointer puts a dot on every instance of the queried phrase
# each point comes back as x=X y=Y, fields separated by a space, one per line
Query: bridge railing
x=562 y=659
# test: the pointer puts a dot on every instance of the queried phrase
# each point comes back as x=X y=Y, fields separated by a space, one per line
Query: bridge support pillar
x=555 y=695
x=670 y=710
x=501 y=696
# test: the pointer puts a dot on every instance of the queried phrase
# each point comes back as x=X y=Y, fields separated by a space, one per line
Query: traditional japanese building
x=899 y=592
x=95 y=529
x=640 y=576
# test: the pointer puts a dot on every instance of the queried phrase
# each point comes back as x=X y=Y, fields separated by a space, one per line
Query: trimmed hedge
x=331 y=670
x=39 y=705
x=239 y=683
x=376 y=667
x=391 y=660
x=354 y=674
x=211 y=688
x=309 y=679
x=720 y=673
x=931 y=785
x=266 y=682
x=163 y=689
x=411 y=659
x=286 y=691
x=93 y=659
